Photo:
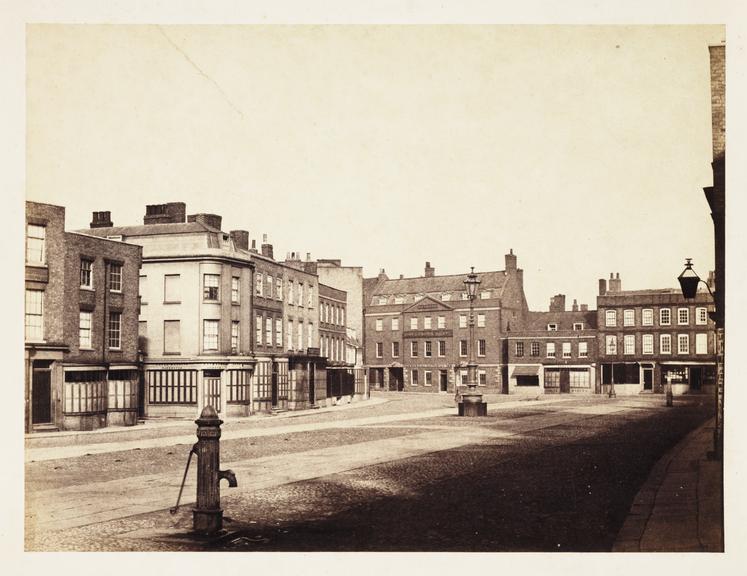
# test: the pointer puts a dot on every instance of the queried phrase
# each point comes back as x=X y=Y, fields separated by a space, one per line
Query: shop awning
x=525 y=371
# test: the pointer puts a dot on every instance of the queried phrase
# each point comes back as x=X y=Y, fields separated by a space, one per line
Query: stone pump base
x=472 y=405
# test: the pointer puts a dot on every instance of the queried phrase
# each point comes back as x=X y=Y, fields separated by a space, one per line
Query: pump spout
x=228 y=475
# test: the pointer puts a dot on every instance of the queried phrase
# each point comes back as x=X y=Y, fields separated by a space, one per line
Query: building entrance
x=274 y=386
x=396 y=379
x=648 y=378
x=211 y=385
x=41 y=386
x=443 y=381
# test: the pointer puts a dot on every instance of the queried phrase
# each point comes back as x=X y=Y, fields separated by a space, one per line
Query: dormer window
x=552 y=327
x=485 y=295
x=578 y=325
x=399 y=299
x=382 y=300
x=445 y=297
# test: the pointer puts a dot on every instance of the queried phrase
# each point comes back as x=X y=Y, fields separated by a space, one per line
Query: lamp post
x=689 y=281
x=472 y=404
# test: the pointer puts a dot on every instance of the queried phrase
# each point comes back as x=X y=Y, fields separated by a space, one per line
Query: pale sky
x=584 y=149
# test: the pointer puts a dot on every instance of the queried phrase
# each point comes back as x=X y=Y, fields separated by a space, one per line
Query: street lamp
x=472 y=404
x=689 y=281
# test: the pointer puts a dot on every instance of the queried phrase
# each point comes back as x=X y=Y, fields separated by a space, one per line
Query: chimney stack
x=602 y=286
x=574 y=308
x=584 y=307
x=102 y=220
x=557 y=303
x=615 y=284
x=266 y=247
x=169 y=213
x=240 y=239
x=430 y=271
x=382 y=275
x=510 y=261
x=211 y=220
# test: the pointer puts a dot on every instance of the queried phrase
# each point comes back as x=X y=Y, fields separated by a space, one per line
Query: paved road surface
x=551 y=474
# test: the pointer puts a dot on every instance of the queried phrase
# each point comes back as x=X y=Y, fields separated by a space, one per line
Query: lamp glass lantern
x=689 y=280
x=471 y=283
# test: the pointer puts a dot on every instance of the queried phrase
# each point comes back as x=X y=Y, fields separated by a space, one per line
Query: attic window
x=552 y=327
x=578 y=325
x=445 y=297
x=382 y=300
x=485 y=294
x=399 y=299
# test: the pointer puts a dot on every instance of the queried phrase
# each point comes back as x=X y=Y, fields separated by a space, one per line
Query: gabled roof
x=430 y=302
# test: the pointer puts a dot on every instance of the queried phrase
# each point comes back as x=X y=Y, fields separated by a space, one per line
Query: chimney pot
x=101 y=220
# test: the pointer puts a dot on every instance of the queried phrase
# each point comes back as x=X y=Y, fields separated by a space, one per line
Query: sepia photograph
x=374 y=287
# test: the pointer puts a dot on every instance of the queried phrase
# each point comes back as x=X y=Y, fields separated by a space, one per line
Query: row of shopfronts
x=70 y=397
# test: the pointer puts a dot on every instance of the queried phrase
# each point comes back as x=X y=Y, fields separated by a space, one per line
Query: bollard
x=669 y=390
x=207 y=516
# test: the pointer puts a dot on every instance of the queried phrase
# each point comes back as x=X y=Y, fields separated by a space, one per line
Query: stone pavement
x=680 y=507
x=94 y=502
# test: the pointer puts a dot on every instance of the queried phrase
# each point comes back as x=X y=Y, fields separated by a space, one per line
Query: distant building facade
x=416 y=330
x=554 y=352
x=81 y=311
x=646 y=336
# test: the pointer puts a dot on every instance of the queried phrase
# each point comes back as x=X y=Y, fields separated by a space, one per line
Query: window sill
x=85 y=349
x=115 y=349
x=204 y=301
x=115 y=291
x=172 y=302
x=36 y=265
x=88 y=288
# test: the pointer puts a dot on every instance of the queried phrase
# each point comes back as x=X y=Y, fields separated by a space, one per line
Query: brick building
x=81 y=314
x=224 y=323
x=196 y=299
x=416 y=329
x=646 y=335
x=554 y=352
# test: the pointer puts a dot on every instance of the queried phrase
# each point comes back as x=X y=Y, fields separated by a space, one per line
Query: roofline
x=434 y=276
x=121 y=242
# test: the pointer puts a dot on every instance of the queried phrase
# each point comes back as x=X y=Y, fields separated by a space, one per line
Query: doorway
x=211 y=385
x=274 y=385
x=41 y=393
x=312 y=391
x=648 y=379
x=396 y=379
x=696 y=379
x=443 y=381
x=565 y=382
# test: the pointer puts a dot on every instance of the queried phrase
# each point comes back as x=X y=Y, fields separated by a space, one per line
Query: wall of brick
x=51 y=277
x=101 y=299
x=718 y=99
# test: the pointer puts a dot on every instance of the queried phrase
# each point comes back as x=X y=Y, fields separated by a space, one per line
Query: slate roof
x=438 y=284
x=151 y=229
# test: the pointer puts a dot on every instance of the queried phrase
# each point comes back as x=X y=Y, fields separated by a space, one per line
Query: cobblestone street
x=399 y=473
